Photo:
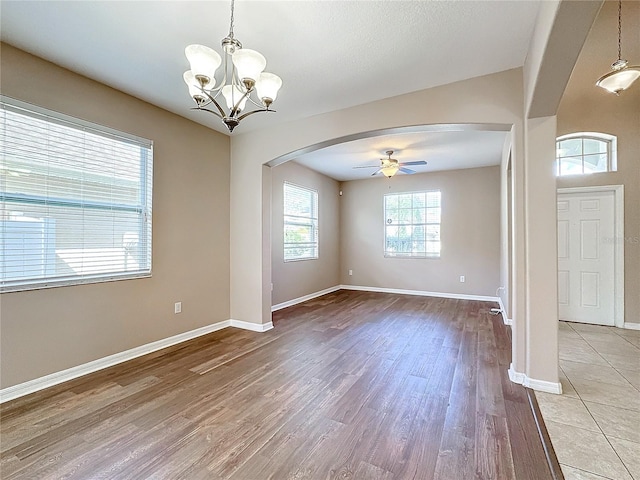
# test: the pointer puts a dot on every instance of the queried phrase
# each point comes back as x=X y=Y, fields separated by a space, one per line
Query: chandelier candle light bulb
x=243 y=74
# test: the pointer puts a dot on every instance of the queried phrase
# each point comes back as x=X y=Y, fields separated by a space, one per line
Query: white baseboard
x=631 y=326
x=52 y=379
x=254 y=327
x=540 y=385
x=422 y=293
x=516 y=377
x=311 y=296
x=22 y=389
x=503 y=312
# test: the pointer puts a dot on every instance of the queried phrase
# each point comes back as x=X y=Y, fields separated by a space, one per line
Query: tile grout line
x=587 y=471
x=595 y=421
x=603 y=358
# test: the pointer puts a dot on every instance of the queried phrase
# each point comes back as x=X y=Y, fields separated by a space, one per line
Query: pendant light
x=622 y=75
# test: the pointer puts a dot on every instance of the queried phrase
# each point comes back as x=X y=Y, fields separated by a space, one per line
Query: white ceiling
x=441 y=151
x=330 y=54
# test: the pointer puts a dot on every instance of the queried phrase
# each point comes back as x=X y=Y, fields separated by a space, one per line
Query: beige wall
x=587 y=108
x=493 y=98
x=296 y=279
x=470 y=233
x=45 y=331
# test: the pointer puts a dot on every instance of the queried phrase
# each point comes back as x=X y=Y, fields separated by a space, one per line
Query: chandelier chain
x=619 y=29
x=231 y=23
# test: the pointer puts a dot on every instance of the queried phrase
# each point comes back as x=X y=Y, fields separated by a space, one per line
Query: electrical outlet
x=178 y=307
x=461 y=278
x=350 y=272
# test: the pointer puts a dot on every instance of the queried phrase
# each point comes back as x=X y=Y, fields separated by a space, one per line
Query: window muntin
x=585 y=153
x=75 y=200
x=300 y=223
x=412 y=224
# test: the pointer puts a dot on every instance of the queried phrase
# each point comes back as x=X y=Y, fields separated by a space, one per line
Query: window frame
x=143 y=207
x=433 y=256
x=313 y=224
x=612 y=146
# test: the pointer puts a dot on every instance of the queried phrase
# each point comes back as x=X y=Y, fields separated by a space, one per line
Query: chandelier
x=243 y=75
x=622 y=76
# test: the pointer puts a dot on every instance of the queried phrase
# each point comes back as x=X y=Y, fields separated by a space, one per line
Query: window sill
x=70 y=283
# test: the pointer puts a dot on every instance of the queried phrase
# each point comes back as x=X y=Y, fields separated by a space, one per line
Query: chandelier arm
x=259 y=105
x=207 y=110
x=234 y=111
x=213 y=100
x=252 y=112
x=224 y=77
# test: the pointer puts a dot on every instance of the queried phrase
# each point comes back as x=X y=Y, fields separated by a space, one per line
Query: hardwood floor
x=352 y=385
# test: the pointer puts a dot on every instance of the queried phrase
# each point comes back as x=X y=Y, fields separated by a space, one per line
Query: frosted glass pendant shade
x=268 y=85
x=248 y=63
x=204 y=62
x=619 y=79
x=192 y=83
x=232 y=95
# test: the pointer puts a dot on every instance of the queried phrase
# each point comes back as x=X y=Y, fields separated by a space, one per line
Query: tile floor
x=595 y=424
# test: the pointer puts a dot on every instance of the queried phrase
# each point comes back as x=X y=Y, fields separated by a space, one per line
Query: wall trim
x=503 y=312
x=37 y=384
x=304 y=298
x=631 y=326
x=254 y=327
x=422 y=293
x=534 y=384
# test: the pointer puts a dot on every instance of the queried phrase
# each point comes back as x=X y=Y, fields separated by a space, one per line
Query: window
x=412 y=224
x=300 y=223
x=584 y=153
x=75 y=200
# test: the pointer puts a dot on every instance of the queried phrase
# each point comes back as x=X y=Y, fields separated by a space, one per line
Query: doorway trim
x=618 y=244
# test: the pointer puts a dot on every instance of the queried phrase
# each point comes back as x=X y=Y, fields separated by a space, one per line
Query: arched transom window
x=584 y=153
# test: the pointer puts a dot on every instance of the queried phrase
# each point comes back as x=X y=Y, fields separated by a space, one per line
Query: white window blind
x=412 y=224
x=75 y=200
x=300 y=223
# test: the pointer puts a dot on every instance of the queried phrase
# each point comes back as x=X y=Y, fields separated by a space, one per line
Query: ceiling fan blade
x=367 y=166
x=407 y=170
x=376 y=172
x=418 y=162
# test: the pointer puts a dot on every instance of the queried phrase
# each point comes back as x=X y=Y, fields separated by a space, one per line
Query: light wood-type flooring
x=352 y=385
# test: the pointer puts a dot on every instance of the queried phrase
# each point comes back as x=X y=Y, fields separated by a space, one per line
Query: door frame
x=618 y=242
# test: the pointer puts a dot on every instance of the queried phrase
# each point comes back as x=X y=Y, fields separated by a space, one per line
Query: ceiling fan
x=390 y=166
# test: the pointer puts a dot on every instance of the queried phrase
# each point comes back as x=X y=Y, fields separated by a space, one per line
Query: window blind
x=75 y=200
x=300 y=223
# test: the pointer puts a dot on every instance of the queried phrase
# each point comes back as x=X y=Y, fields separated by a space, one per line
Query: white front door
x=586 y=257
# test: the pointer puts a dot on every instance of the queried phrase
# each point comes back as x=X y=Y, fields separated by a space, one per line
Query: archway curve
x=427 y=128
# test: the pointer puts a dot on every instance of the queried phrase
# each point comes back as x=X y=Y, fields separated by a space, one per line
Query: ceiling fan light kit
x=390 y=166
x=243 y=75
x=622 y=75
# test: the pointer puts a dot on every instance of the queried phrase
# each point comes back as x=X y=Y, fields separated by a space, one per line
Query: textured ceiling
x=330 y=54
